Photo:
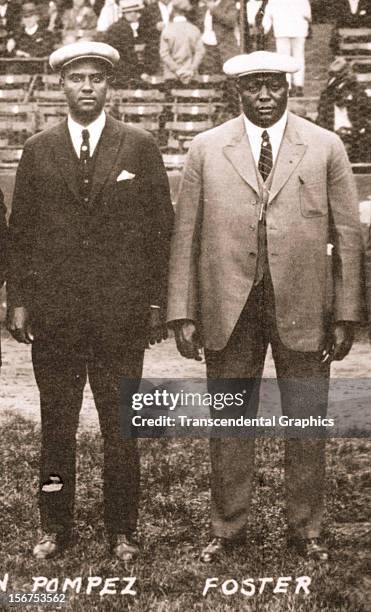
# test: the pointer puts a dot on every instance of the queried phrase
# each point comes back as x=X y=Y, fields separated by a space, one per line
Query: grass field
x=174 y=524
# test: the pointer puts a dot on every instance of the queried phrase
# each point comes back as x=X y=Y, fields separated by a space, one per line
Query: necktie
x=266 y=157
x=84 y=163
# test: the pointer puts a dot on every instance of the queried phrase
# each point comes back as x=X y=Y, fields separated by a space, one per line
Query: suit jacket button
x=252 y=227
x=85 y=243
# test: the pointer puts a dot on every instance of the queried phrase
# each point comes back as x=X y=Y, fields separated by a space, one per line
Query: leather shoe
x=125 y=548
x=312 y=549
x=214 y=550
x=47 y=546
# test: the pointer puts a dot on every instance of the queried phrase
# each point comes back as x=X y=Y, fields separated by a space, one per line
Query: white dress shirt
x=209 y=36
x=275 y=132
x=341 y=118
x=165 y=10
x=3 y=10
x=95 y=131
x=353 y=6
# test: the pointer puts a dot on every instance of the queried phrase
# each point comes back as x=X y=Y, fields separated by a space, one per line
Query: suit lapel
x=109 y=146
x=64 y=159
x=105 y=163
x=238 y=152
x=290 y=154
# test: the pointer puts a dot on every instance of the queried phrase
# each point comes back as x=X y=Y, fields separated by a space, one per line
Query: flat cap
x=259 y=61
x=127 y=6
x=83 y=49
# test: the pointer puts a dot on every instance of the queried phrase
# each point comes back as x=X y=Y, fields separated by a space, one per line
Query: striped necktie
x=266 y=157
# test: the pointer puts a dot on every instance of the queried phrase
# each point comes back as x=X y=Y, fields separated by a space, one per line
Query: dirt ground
x=350 y=398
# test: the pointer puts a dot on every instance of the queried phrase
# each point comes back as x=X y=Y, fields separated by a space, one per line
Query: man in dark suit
x=261 y=197
x=89 y=235
x=154 y=18
x=120 y=36
x=351 y=13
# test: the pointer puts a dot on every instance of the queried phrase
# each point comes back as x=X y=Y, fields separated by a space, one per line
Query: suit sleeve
x=159 y=225
x=183 y=299
x=22 y=224
x=3 y=240
x=225 y=13
x=345 y=236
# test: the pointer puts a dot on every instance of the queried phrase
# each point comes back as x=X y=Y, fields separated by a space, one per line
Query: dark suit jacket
x=340 y=11
x=149 y=35
x=121 y=37
x=11 y=23
x=225 y=20
x=109 y=259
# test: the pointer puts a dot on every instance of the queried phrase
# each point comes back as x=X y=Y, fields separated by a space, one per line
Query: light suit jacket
x=312 y=201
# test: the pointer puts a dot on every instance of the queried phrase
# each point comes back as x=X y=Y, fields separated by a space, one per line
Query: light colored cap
x=339 y=64
x=260 y=61
x=182 y=5
x=83 y=49
x=126 y=6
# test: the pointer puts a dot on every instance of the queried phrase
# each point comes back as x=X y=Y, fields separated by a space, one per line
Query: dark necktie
x=266 y=157
x=84 y=163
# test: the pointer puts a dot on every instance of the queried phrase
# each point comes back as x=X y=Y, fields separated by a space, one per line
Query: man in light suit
x=89 y=239
x=260 y=198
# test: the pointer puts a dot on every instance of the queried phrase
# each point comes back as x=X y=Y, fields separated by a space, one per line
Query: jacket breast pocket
x=313 y=198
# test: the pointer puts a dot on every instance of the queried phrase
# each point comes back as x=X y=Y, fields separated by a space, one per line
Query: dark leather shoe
x=215 y=549
x=312 y=549
x=125 y=548
x=47 y=546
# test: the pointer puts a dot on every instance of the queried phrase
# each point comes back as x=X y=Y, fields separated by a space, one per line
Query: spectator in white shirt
x=290 y=20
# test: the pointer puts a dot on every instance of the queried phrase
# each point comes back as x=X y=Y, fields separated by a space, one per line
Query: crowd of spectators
x=180 y=38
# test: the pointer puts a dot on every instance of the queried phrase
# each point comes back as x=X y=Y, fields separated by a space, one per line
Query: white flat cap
x=259 y=61
x=83 y=49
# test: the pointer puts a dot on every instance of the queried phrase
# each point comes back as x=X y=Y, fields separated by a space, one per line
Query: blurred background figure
x=154 y=18
x=120 y=35
x=351 y=13
x=32 y=39
x=80 y=21
x=217 y=20
x=96 y=5
x=110 y=14
x=54 y=21
x=255 y=13
x=131 y=10
x=181 y=46
x=290 y=20
x=9 y=23
x=343 y=108
x=348 y=14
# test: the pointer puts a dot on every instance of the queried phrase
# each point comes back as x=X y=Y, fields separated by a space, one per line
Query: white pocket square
x=125 y=176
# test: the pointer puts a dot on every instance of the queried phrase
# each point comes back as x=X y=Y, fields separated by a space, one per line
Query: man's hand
x=157 y=329
x=339 y=342
x=18 y=324
x=187 y=339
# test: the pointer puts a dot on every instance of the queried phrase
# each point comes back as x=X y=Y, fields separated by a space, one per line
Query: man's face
x=131 y=16
x=263 y=97
x=85 y=84
x=29 y=21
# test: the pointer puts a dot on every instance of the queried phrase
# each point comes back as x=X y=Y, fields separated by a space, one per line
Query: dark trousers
x=62 y=359
x=303 y=382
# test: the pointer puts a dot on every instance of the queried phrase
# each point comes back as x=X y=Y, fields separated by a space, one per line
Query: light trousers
x=294 y=47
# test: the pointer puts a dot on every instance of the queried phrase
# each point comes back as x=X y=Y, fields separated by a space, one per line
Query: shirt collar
x=95 y=128
x=275 y=131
